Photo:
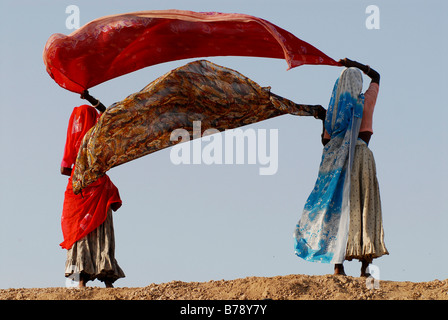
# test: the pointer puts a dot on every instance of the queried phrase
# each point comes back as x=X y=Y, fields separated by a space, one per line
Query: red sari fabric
x=83 y=213
x=115 y=45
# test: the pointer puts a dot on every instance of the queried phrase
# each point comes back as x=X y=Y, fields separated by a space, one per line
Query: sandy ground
x=290 y=287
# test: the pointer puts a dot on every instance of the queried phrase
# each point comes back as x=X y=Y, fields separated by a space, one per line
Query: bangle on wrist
x=368 y=69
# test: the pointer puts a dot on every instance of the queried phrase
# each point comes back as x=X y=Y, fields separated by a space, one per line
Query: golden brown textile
x=366 y=232
x=219 y=97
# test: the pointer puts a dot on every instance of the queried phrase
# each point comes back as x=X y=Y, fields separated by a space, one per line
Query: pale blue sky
x=212 y=222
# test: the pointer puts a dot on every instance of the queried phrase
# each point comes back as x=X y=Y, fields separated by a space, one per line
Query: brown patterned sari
x=219 y=97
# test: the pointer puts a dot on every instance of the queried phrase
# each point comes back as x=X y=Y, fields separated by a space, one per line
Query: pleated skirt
x=93 y=256
x=366 y=232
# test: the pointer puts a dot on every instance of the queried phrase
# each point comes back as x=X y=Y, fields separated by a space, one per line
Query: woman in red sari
x=87 y=223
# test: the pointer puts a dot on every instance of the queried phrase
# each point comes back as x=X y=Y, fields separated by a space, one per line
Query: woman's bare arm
x=66 y=171
x=371 y=73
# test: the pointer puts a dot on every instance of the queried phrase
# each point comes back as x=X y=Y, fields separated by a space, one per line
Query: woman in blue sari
x=342 y=217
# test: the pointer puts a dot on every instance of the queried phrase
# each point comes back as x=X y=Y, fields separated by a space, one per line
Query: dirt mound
x=290 y=287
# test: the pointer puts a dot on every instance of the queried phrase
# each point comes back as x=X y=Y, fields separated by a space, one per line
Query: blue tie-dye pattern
x=316 y=233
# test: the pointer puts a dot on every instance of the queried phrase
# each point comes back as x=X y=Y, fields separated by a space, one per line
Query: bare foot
x=339 y=269
x=364 y=266
x=82 y=283
x=108 y=284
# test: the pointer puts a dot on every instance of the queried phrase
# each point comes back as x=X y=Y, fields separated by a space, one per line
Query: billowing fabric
x=366 y=233
x=321 y=233
x=115 y=45
x=83 y=213
x=219 y=97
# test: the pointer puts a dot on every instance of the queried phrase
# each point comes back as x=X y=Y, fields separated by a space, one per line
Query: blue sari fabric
x=321 y=233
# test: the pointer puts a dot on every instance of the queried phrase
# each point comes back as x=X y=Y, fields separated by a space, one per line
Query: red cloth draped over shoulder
x=83 y=213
